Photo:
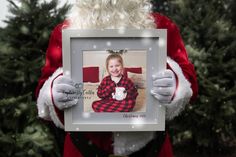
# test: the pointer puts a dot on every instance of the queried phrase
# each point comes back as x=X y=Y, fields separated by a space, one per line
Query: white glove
x=64 y=92
x=164 y=86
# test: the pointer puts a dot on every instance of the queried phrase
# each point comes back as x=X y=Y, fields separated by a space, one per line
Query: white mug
x=120 y=93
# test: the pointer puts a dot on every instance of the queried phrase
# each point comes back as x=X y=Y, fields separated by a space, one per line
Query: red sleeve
x=106 y=88
x=132 y=92
x=53 y=59
x=176 y=50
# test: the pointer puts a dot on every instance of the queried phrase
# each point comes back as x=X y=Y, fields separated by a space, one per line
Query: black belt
x=88 y=149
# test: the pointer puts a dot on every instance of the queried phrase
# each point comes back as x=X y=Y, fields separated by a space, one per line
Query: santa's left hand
x=164 y=86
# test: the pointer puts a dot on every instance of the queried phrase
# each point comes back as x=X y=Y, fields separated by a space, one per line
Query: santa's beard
x=111 y=14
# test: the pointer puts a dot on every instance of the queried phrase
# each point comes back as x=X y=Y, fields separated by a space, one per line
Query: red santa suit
x=177 y=61
x=108 y=103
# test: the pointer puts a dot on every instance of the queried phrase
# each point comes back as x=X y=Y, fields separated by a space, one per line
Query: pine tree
x=23 y=44
x=209 y=35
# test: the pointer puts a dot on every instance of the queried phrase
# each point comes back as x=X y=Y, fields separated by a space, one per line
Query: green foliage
x=23 y=44
x=24 y=40
x=21 y=133
x=209 y=35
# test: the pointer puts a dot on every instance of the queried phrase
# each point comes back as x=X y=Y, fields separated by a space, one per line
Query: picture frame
x=84 y=60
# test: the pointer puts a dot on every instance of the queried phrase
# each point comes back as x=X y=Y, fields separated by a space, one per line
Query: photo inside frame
x=95 y=71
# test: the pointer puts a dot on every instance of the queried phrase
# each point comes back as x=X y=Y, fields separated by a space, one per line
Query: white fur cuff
x=183 y=92
x=45 y=104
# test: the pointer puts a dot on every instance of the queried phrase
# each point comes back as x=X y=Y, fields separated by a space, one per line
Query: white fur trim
x=45 y=105
x=126 y=143
x=183 y=92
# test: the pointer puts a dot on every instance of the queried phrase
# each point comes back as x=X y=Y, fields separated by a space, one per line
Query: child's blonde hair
x=114 y=56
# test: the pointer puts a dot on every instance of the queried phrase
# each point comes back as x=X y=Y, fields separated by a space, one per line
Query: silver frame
x=74 y=42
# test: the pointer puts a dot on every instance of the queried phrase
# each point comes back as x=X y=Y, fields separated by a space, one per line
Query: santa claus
x=173 y=88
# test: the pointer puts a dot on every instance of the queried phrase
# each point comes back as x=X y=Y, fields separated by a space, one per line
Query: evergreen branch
x=14 y=100
x=14 y=4
x=229 y=97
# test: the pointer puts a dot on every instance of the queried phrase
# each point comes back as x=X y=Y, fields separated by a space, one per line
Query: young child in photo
x=117 y=92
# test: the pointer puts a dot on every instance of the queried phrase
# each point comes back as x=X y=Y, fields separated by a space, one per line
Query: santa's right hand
x=64 y=92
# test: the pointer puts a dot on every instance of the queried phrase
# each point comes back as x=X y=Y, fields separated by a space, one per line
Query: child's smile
x=115 y=68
